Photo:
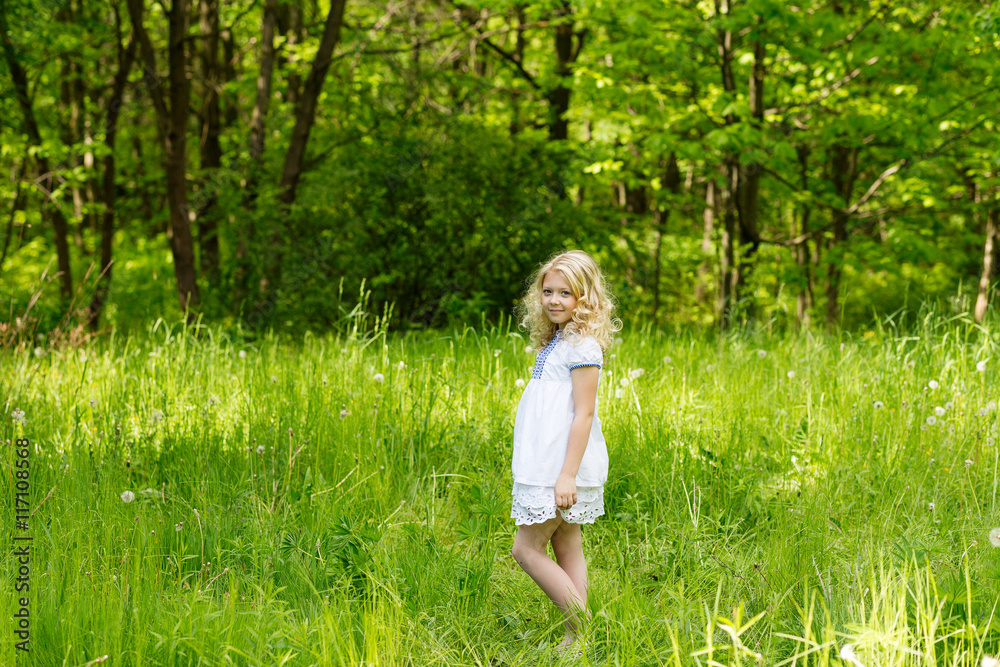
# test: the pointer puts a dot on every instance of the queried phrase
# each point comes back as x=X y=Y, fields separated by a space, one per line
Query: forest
x=251 y=162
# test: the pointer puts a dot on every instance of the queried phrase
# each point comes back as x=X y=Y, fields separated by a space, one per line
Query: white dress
x=541 y=437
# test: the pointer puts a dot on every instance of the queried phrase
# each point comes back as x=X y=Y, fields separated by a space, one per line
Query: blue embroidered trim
x=579 y=365
x=543 y=355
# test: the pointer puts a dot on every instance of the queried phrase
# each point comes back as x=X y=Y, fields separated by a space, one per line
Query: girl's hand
x=565 y=491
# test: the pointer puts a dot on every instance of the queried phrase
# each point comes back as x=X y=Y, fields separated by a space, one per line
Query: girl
x=560 y=459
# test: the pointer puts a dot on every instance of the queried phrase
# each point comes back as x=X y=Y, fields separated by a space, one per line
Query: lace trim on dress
x=535 y=504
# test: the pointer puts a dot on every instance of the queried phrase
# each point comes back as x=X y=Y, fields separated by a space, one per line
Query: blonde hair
x=594 y=310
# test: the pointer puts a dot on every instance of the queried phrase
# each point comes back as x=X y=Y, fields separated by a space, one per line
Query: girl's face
x=557 y=299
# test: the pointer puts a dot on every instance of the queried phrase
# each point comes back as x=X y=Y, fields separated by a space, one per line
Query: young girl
x=560 y=461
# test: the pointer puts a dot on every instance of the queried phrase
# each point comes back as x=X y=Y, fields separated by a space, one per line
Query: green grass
x=748 y=512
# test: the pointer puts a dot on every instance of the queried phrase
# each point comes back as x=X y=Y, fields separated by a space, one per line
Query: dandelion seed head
x=939 y=411
x=260 y=450
x=949 y=405
x=981 y=366
x=930 y=507
x=968 y=463
x=619 y=392
x=667 y=360
x=519 y=383
x=127 y=496
x=402 y=364
x=624 y=382
x=92 y=402
x=243 y=354
x=528 y=349
x=931 y=420
x=995 y=537
x=878 y=405
x=933 y=384
x=761 y=354
x=790 y=374
x=378 y=377
x=18 y=415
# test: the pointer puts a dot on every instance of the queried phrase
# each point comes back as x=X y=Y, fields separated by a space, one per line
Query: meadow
x=344 y=499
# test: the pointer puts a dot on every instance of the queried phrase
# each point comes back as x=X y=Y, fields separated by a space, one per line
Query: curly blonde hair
x=594 y=312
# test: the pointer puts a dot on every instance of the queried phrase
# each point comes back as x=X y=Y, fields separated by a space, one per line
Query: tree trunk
x=804 y=298
x=295 y=36
x=59 y=224
x=258 y=124
x=844 y=170
x=305 y=115
x=305 y=111
x=211 y=152
x=671 y=184
x=264 y=79
x=728 y=274
x=708 y=226
x=173 y=130
x=989 y=256
x=125 y=61
x=748 y=192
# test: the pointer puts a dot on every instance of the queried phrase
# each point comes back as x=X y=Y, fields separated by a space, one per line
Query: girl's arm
x=584 y=398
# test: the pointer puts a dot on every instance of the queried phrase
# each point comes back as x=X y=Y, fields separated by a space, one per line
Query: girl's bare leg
x=567 y=543
x=529 y=552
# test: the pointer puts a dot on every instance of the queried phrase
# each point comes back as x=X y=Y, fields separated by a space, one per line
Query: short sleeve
x=586 y=353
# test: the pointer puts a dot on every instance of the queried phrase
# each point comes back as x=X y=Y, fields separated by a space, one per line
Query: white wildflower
x=260 y=450
x=949 y=405
x=791 y=374
x=968 y=463
x=528 y=349
x=496 y=353
x=378 y=377
x=18 y=415
x=930 y=507
x=878 y=405
x=981 y=366
x=243 y=354
x=933 y=384
x=995 y=537
x=931 y=420
x=989 y=662
x=761 y=353
x=519 y=383
x=344 y=413
x=128 y=496
x=939 y=411
x=402 y=365
x=848 y=655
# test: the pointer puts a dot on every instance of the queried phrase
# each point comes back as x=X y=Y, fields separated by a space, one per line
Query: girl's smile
x=557 y=298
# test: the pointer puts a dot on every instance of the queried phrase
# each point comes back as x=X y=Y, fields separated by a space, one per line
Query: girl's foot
x=569 y=646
